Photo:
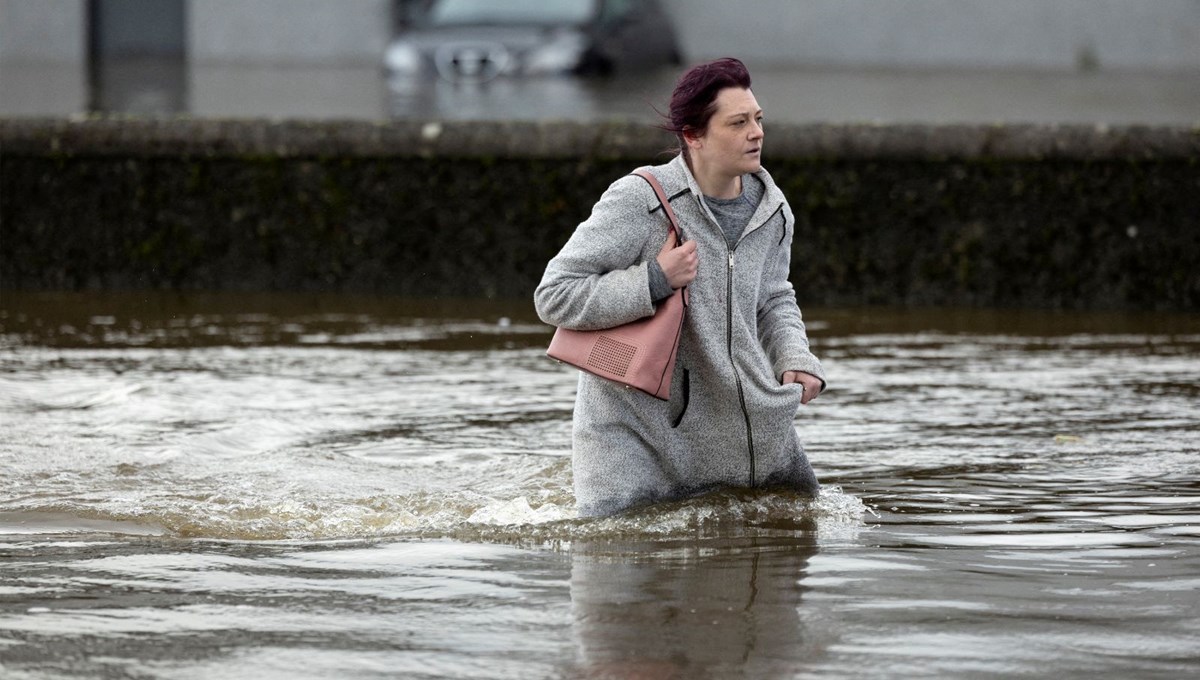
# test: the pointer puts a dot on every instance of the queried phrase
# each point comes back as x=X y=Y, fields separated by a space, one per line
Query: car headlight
x=559 y=55
x=402 y=57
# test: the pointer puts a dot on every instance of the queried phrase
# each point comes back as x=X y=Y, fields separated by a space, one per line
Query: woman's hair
x=694 y=100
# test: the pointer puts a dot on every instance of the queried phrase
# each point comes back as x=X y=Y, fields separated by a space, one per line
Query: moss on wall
x=1108 y=230
x=1057 y=233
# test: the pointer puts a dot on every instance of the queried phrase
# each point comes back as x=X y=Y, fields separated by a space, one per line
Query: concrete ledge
x=1004 y=216
x=300 y=139
x=304 y=139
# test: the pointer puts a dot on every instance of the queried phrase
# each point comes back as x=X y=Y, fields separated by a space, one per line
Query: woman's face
x=732 y=144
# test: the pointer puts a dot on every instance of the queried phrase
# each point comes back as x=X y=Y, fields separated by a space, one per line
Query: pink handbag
x=639 y=354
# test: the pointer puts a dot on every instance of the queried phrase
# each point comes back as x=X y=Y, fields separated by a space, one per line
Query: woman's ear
x=694 y=139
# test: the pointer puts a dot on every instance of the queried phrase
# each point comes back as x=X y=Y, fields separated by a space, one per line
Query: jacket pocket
x=685 y=389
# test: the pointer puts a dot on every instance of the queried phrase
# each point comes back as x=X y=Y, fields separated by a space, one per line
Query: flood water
x=788 y=94
x=293 y=486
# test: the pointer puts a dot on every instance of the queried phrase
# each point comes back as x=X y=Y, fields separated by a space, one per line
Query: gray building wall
x=335 y=51
x=43 y=31
x=331 y=32
x=1020 y=34
x=43 y=57
x=289 y=31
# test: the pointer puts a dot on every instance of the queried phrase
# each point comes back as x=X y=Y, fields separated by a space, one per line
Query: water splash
x=539 y=517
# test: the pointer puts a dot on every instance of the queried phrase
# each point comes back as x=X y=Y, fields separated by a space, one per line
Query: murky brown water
x=331 y=486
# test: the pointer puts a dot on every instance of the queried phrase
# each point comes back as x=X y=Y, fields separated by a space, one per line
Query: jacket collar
x=676 y=176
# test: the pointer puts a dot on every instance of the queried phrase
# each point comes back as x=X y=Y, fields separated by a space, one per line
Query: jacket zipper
x=729 y=342
x=737 y=378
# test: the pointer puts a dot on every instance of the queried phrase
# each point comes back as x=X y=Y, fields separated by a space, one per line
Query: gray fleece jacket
x=729 y=422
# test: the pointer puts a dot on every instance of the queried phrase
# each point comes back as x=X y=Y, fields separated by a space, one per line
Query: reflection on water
x=632 y=97
x=714 y=609
x=324 y=485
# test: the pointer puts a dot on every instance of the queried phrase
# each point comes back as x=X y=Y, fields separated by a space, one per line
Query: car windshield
x=459 y=12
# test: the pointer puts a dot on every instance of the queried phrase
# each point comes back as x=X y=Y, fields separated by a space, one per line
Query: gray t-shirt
x=733 y=214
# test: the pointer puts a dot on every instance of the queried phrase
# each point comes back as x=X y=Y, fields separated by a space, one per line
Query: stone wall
x=986 y=216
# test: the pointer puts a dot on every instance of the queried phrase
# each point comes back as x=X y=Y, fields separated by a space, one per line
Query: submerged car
x=479 y=40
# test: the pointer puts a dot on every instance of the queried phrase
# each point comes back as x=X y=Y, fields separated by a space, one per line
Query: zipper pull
x=731 y=260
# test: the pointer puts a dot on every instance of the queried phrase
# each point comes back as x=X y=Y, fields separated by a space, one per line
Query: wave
x=536 y=518
x=63 y=395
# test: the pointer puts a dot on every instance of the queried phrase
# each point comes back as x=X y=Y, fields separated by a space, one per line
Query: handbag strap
x=674 y=226
x=662 y=198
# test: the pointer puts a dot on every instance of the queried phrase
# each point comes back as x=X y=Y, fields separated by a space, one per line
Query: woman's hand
x=678 y=264
x=810 y=383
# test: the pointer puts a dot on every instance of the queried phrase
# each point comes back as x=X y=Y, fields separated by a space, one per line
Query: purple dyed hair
x=694 y=100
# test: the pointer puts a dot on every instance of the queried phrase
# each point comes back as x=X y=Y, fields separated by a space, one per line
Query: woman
x=744 y=365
